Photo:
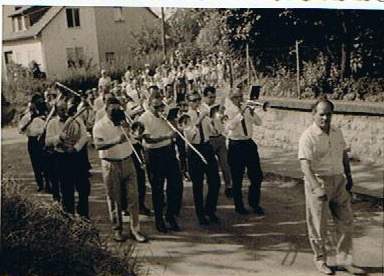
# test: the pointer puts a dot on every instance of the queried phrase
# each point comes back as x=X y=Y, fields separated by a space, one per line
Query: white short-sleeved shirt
x=324 y=151
x=106 y=131
x=234 y=126
x=192 y=133
x=154 y=127
x=35 y=128
x=217 y=127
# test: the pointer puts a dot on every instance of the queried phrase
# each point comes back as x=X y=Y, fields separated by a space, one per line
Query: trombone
x=252 y=104
x=182 y=136
x=185 y=139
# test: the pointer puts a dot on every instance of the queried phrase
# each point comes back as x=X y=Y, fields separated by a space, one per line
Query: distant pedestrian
x=105 y=80
x=325 y=164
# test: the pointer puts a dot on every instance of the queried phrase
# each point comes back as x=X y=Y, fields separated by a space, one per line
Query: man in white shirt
x=325 y=164
x=32 y=125
x=197 y=134
x=111 y=139
x=99 y=101
x=217 y=139
x=162 y=163
x=105 y=80
x=68 y=135
x=242 y=153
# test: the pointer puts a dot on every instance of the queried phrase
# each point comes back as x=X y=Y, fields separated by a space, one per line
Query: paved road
x=274 y=245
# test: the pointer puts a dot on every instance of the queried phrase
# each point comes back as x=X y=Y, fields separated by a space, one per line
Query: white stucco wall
x=116 y=36
x=24 y=51
x=56 y=37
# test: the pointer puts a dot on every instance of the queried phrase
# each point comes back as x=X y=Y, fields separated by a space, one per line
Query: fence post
x=298 y=70
x=230 y=73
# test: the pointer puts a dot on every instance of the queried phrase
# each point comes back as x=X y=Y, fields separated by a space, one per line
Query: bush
x=314 y=82
x=38 y=238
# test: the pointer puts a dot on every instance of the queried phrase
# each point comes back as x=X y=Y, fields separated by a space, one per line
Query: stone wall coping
x=341 y=107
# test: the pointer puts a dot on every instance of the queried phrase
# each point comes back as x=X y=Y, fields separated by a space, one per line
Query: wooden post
x=247 y=60
x=163 y=34
x=298 y=70
x=230 y=74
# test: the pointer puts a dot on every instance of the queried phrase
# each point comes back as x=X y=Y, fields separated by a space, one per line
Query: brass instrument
x=128 y=120
x=185 y=139
x=142 y=164
x=253 y=104
x=71 y=131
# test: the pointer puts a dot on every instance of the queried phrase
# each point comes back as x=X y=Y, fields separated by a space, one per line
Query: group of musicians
x=170 y=141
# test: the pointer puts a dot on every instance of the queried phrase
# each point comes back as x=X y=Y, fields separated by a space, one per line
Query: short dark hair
x=209 y=89
x=322 y=99
x=156 y=95
x=112 y=100
x=155 y=87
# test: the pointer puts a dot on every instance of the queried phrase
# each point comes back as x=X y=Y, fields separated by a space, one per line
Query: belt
x=215 y=136
x=201 y=144
x=116 y=160
x=244 y=140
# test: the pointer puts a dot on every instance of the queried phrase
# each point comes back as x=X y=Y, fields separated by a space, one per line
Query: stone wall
x=364 y=134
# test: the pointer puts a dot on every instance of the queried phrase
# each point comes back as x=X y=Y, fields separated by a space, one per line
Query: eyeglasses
x=196 y=100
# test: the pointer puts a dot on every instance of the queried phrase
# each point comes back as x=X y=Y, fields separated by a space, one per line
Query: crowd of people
x=168 y=125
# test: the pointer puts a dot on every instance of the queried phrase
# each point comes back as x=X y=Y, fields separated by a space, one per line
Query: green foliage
x=38 y=238
x=18 y=89
x=315 y=80
x=185 y=24
x=146 y=40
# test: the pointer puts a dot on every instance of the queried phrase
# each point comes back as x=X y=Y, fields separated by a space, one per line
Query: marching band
x=152 y=125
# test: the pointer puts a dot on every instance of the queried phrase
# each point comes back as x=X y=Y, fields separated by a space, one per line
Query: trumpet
x=253 y=104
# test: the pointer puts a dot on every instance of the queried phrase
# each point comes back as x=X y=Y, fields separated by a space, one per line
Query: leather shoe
x=228 y=192
x=214 y=219
x=354 y=270
x=203 y=221
x=173 y=224
x=242 y=211
x=118 y=237
x=259 y=211
x=160 y=226
x=322 y=267
x=139 y=237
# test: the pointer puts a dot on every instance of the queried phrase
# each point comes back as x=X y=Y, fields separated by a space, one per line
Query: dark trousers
x=197 y=169
x=162 y=165
x=181 y=91
x=51 y=175
x=72 y=175
x=35 y=151
x=243 y=154
x=140 y=173
x=180 y=144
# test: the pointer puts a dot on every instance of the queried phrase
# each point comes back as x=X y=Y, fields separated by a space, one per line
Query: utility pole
x=163 y=34
x=298 y=70
x=247 y=60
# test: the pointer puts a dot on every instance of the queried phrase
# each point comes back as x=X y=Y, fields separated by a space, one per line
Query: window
x=110 y=57
x=73 y=17
x=8 y=57
x=75 y=57
x=118 y=14
x=17 y=24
